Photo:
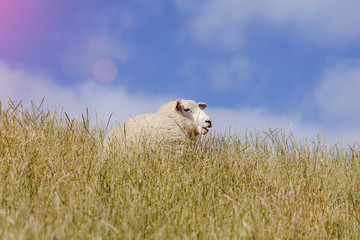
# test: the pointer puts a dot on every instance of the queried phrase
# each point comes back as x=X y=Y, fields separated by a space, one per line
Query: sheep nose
x=209 y=122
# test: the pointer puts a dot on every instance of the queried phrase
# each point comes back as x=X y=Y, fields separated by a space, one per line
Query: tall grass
x=57 y=183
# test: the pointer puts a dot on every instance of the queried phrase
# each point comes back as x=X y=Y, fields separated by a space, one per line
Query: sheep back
x=147 y=129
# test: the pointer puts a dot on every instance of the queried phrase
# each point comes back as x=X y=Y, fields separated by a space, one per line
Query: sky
x=292 y=65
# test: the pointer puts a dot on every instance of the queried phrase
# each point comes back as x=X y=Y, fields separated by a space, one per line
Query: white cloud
x=81 y=55
x=320 y=21
x=238 y=121
x=217 y=21
x=338 y=96
x=233 y=75
x=100 y=34
x=336 y=101
x=261 y=120
x=103 y=99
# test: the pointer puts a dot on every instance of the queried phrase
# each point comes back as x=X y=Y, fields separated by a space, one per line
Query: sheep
x=174 y=123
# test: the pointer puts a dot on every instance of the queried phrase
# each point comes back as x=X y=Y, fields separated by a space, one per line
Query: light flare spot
x=105 y=70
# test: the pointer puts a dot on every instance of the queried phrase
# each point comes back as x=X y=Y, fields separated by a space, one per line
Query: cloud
x=259 y=119
x=334 y=104
x=321 y=21
x=19 y=84
x=103 y=100
x=231 y=76
x=338 y=95
x=82 y=54
x=216 y=21
x=227 y=22
x=106 y=33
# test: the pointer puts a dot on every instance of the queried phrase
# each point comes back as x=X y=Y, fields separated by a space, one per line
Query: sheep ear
x=177 y=105
x=202 y=106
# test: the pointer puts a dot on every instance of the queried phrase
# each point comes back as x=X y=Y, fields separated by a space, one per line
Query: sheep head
x=194 y=111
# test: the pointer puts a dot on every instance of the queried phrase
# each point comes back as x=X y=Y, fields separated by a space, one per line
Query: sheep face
x=194 y=111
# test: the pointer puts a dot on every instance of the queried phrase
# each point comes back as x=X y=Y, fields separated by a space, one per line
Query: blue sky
x=273 y=63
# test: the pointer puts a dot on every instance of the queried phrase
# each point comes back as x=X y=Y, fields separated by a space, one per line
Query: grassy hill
x=57 y=183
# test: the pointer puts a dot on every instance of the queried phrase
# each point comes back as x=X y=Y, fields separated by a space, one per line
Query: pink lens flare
x=105 y=70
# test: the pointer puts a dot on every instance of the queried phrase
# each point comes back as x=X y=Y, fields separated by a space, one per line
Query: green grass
x=57 y=183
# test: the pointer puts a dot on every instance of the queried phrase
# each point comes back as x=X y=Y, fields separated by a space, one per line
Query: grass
x=57 y=183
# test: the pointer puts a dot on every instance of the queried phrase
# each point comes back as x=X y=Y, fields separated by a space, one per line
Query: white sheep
x=174 y=123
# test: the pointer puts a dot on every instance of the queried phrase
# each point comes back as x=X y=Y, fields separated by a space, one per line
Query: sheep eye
x=187 y=109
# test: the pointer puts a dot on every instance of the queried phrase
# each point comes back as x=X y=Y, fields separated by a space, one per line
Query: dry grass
x=56 y=183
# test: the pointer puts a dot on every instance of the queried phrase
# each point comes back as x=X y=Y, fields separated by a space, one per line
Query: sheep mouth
x=206 y=127
x=205 y=130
